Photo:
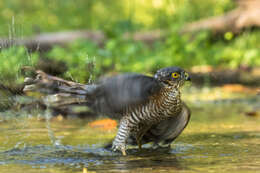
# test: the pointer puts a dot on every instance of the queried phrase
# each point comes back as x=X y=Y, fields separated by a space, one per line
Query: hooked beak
x=188 y=78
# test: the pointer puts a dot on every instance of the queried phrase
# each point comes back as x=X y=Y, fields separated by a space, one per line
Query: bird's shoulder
x=130 y=87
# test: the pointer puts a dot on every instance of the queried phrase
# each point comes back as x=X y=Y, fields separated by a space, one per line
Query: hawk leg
x=123 y=133
x=140 y=134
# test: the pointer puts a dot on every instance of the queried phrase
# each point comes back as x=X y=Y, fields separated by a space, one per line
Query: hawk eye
x=175 y=75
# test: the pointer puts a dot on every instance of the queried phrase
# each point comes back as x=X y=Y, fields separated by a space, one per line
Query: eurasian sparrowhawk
x=150 y=109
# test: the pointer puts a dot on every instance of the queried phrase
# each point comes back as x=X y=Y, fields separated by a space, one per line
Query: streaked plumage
x=150 y=109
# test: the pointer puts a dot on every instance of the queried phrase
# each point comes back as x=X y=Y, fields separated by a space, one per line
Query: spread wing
x=110 y=96
x=116 y=93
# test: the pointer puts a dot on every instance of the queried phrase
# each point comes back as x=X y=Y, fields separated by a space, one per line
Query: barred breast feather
x=161 y=106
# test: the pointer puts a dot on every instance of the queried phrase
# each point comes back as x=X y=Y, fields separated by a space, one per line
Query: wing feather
x=116 y=93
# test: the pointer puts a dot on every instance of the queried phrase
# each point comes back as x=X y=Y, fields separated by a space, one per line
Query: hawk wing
x=110 y=96
x=113 y=95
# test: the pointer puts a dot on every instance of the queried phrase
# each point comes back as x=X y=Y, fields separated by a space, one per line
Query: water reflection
x=220 y=138
x=97 y=159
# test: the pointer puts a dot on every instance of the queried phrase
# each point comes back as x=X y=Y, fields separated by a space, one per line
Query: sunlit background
x=216 y=41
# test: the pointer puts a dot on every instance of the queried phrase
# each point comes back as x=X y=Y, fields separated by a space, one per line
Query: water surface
x=219 y=138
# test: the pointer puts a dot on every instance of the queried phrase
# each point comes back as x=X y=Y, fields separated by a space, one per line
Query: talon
x=139 y=136
x=120 y=147
x=123 y=152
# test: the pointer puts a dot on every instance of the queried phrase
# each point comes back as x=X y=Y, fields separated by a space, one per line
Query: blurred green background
x=224 y=132
x=83 y=60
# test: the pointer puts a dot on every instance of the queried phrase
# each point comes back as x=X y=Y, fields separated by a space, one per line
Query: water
x=219 y=138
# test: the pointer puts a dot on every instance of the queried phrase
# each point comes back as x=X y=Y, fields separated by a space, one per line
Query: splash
x=53 y=139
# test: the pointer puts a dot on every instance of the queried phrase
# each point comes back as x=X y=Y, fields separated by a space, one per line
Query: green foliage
x=29 y=17
x=86 y=60
x=119 y=55
x=19 y=18
x=12 y=59
x=80 y=59
x=188 y=51
x=243 y=50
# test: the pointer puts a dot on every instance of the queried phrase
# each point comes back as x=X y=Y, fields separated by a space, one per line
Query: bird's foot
x=119 y=147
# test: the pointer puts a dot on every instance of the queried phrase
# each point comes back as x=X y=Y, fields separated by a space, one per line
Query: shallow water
x=219 y=138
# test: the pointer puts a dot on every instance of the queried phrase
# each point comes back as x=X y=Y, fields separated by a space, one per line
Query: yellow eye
x=175 y=75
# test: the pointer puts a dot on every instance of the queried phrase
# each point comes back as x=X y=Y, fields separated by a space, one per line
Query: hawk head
x=172 y=76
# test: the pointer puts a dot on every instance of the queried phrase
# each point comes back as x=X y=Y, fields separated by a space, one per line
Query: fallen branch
x=246 y=15
x=44 y=42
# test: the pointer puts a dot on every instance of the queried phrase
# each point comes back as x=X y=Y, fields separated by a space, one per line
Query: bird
x=149 y=108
